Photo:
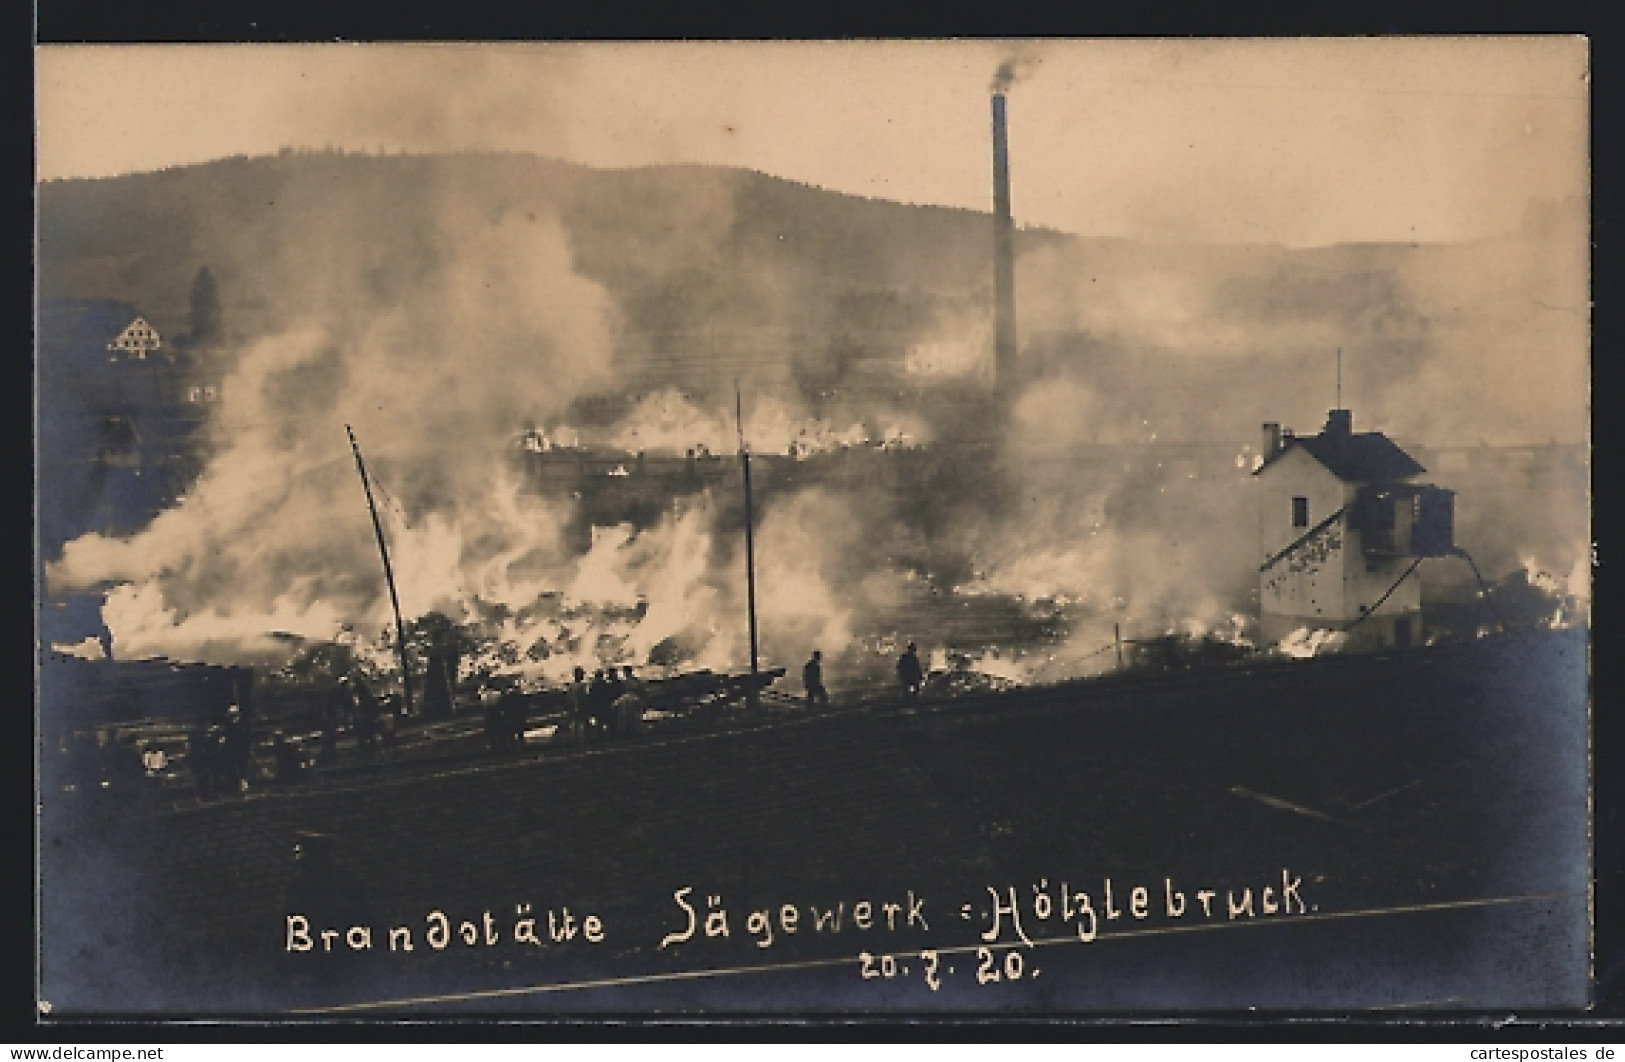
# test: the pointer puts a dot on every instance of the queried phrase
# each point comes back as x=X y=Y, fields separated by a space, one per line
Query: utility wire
x=1483 y=588
x=1368 y=613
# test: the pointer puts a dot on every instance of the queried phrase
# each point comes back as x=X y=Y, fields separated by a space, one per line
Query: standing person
x=391 y=719
x=578 y=705
x=514 y=713
x=495 y=738
x=598 y=702
x=629 y=705
x=812 y=676
x=910 y=674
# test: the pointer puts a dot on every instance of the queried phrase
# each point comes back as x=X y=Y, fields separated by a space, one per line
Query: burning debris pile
x=673 y=422
x=1529 y=598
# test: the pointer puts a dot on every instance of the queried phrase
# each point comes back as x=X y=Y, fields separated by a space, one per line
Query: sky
x=1297 y=142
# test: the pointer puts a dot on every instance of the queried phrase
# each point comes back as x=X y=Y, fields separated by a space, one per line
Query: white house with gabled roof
x=1342 y=528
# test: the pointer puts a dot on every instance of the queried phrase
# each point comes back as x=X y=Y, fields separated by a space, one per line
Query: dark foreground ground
x=1377 y=833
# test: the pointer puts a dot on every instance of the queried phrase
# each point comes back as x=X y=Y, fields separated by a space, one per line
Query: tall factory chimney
x=1004 y=264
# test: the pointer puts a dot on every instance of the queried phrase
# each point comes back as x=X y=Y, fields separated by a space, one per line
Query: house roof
x=1358 y=457
x=137 y=337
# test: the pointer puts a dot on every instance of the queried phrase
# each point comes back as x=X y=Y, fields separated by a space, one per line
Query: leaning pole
x=389 y=573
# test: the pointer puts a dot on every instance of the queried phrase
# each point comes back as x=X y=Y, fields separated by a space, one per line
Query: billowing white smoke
x=494 y=332
x=443 y=347
x=445 y=370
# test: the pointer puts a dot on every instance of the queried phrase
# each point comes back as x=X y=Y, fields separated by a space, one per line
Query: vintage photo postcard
x=838 y=528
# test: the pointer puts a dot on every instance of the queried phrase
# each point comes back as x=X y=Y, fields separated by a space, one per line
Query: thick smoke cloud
x=1011 y=70
x=1442 y=345
x=445 y=328
x=433 y=359
x=444 y=323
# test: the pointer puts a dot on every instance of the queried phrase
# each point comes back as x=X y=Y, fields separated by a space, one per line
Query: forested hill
x=704 y=263
x=671 y=242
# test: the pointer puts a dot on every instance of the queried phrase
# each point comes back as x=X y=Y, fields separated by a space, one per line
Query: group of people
x=910 y=675
x=351 y=704
x=372 y=720
x=609 y=704
x=220 y=753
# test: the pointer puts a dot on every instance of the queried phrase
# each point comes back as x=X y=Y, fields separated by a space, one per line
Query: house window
x=1300 y=511
x=1384 y=517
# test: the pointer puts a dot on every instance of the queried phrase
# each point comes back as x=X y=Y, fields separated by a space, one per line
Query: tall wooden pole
x=389 y=573
x=752 y=698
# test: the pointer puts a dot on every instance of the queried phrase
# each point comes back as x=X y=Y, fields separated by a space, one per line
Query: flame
x=1574 y=583
x=670 y=421
x=1571 y=589
x=535 y=440
x=274 y=536
x=1305 y=642
x=629 y=593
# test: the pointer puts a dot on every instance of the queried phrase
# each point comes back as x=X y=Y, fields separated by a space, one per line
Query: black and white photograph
x=1032 y=527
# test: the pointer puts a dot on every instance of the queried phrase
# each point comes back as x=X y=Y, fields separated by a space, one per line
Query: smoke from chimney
x=1004 y=266
x=1009 y=72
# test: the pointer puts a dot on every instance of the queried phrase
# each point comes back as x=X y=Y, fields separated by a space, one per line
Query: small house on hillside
x=120 y=413
x=1342 y=527
x=137 y=340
